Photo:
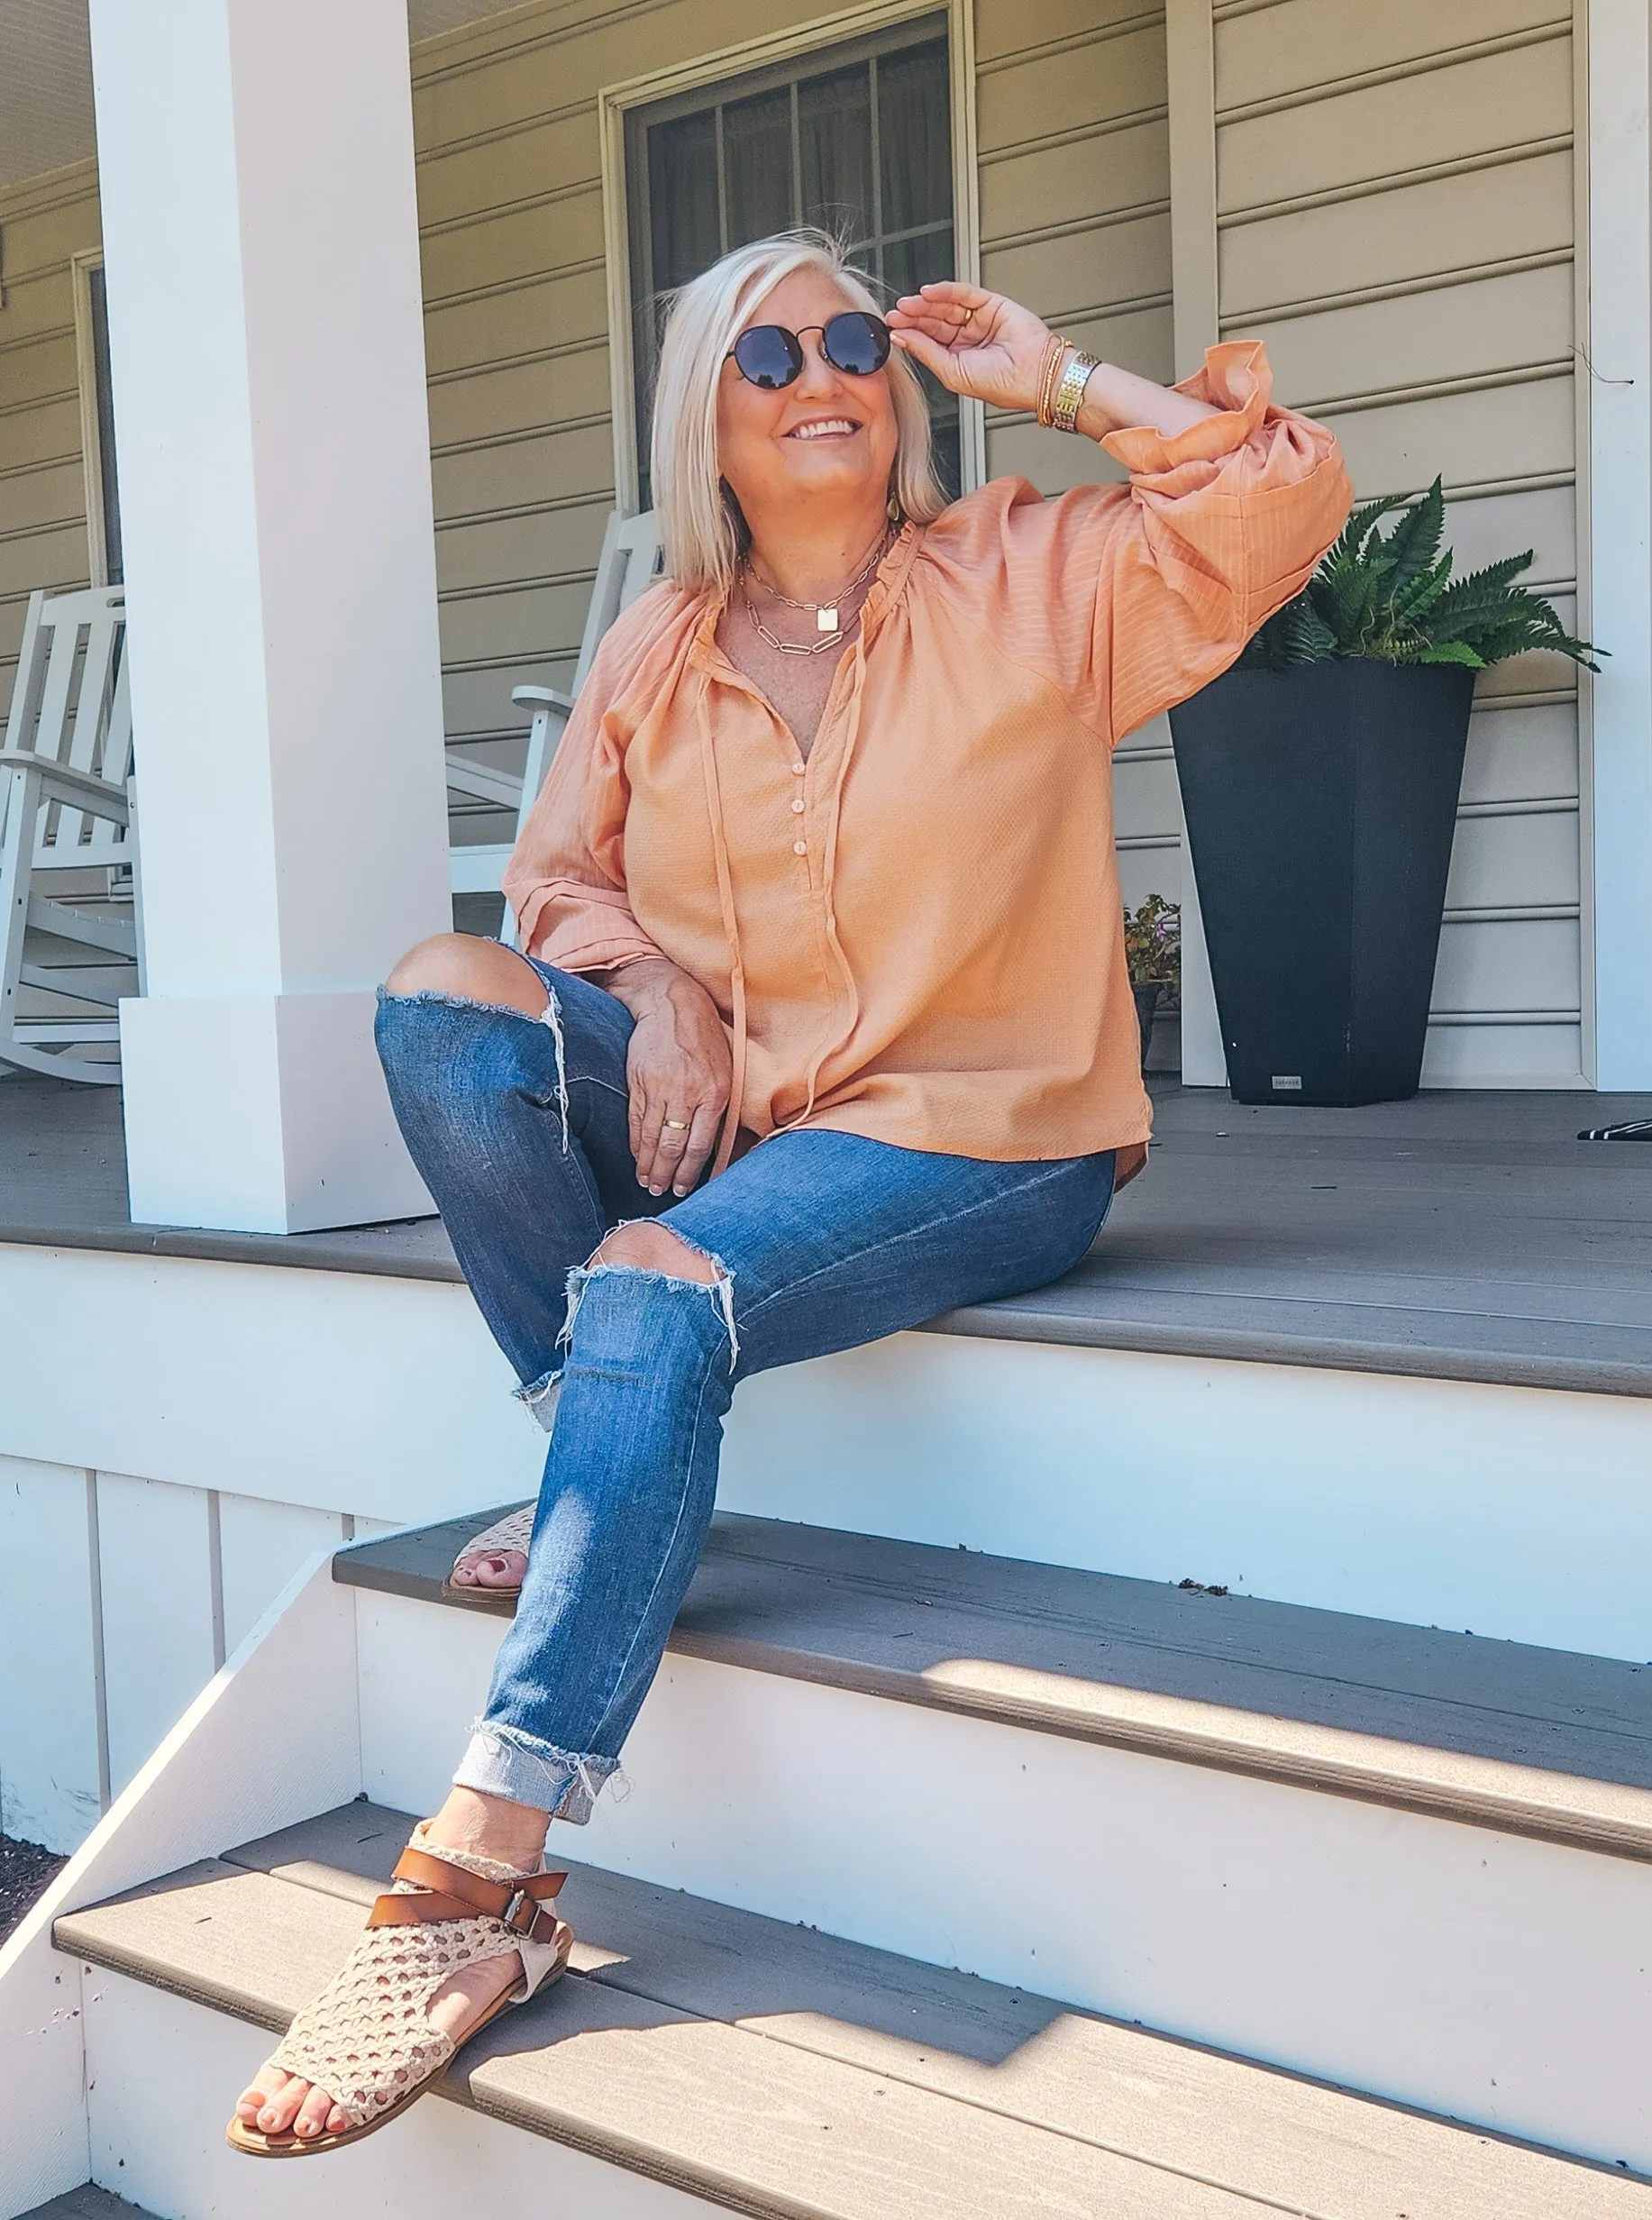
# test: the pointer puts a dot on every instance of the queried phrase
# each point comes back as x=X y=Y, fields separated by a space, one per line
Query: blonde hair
x=700 y=528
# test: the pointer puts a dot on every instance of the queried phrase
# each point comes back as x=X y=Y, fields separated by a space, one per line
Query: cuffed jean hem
x=504 y=1761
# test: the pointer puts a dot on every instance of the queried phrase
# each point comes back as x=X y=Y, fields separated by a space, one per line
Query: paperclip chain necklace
x=825 y=613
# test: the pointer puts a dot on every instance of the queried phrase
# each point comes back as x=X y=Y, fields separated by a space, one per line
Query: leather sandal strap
x=488 y=1897
x=426 y=1909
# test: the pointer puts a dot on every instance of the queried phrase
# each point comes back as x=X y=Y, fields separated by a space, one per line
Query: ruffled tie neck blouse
x=917 y=934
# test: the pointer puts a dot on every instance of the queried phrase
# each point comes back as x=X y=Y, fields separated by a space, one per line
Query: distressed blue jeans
x=820 y=1241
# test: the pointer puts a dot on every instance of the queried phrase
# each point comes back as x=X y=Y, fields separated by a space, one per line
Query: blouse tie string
x=731 y=927
x=830 y=1044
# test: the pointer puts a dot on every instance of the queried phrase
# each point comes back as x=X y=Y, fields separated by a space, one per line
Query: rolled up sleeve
x=566 y=879
x=1223 y=524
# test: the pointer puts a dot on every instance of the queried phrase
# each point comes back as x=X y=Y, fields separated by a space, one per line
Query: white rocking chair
x=71 y=940
x=629 y=565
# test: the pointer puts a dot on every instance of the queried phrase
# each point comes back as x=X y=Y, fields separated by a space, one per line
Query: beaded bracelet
x=1069 y=396
x=1055 y=347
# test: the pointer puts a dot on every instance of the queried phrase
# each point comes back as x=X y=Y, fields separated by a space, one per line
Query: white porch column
x=267 y=341
x=1616 y=608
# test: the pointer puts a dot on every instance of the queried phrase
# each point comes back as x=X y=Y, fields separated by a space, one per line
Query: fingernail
x=656 y=1191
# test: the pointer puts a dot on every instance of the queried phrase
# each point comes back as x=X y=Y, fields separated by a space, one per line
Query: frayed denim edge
x=551 y=1015
x=721 y=1289
x=541 y=1397
x=504 y=1761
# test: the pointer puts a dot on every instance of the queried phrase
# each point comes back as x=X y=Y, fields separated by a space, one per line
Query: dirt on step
x=25 y=1870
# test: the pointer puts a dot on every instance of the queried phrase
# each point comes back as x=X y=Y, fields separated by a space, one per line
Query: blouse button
x=798 y=769
x=797 y=807
x=799 y=847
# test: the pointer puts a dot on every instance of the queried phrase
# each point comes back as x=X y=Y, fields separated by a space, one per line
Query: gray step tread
x=782 y=2072
x=1458 y=1235
x=1534 y=1741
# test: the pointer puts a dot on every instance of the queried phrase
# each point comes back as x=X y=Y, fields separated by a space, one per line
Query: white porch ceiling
x=46 y=78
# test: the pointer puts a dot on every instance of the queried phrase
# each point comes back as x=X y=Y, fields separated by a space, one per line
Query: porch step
x=764 y=2067
x=1392 y=1859
x=1527 y=1740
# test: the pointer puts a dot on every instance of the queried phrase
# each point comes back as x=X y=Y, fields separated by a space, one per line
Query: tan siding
x=1075 y=222
x=1074 y=188
x=42 y=482
x=1396 y=212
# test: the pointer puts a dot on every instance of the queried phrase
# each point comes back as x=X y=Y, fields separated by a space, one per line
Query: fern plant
x=1390 y=598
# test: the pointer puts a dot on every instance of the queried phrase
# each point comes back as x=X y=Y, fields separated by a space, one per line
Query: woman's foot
x=277 y=2104
x=491 y=1568
x=497 y=1557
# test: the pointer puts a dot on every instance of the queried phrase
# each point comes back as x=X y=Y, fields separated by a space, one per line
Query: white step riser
x=1514 y=1512
x=1519 y=1513
x=1501 y=1981
x=164 y=2076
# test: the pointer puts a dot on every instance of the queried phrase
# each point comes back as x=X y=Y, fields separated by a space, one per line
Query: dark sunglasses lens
x=768 y=356
x=856 y=344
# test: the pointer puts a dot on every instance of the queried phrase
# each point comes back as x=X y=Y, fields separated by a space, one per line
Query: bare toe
x=258 y=2094
x=314 y=2115
x=501 y=1568
x=281 y=2110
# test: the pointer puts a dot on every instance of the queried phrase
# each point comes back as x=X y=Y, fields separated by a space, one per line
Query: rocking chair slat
x=66 y=817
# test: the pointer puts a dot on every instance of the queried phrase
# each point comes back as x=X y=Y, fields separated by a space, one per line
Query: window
x=857 y=139
x=102 y=498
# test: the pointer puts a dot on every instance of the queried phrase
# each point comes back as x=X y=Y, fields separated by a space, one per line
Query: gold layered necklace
x=828 y=621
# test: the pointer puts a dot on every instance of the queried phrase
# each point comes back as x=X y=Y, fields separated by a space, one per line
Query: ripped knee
x=650 y=1247
x=471 y=970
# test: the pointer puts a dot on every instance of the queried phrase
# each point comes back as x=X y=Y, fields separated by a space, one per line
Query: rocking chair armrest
x=78 y=788
x=543 y=698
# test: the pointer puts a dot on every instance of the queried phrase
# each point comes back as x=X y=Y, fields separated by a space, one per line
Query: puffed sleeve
x=566 y=879
x=1130 y=598
x=1223 y=524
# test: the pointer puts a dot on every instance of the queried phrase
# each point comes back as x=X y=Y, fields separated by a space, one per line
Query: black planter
x=1321 y=804
x=1146 y=995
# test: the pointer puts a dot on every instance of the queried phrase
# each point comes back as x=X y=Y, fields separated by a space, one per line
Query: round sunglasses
x=770 y=356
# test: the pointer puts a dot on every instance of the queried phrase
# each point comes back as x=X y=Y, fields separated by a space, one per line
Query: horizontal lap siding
x=511 y=221
x=43 y=477
x=1074 y=191
x=1395 y=200
x=1075 y=222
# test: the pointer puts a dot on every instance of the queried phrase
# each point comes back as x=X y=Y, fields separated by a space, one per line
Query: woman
x=823 y=1025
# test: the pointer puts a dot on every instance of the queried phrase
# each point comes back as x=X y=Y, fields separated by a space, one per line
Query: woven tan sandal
x=515 y=1531
x=367 y=2038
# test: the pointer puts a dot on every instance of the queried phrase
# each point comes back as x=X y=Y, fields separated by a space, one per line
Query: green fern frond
x=1393 y=597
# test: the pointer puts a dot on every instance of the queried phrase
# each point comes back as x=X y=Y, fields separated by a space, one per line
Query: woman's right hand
x=679 y=1069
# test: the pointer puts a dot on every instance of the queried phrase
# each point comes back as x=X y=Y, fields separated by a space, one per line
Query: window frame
x=786 y=51
x=81 y=267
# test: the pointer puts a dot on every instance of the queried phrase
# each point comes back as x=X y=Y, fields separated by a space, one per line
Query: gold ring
x=676 y=1124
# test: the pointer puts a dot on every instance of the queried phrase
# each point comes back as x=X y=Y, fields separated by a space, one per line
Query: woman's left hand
x=977 y=343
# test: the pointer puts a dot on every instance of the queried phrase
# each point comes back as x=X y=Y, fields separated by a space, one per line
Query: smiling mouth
x=824 y=427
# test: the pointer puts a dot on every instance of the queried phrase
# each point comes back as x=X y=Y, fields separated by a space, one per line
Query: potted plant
x=1319 y=780
x=1153 y=950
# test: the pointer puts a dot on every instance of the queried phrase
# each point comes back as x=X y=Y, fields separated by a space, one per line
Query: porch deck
x=1459 y=1235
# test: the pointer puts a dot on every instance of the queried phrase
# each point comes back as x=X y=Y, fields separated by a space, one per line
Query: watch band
x=1069 y=396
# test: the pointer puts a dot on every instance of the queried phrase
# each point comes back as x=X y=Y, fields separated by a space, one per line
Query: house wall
x=1074 y=216
x=1395 y=217
x=1395 y=214
x=42 y=473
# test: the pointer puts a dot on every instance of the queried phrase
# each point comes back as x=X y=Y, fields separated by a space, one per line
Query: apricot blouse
x=917 y=934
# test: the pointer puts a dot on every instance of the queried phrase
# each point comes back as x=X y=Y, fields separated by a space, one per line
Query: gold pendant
x=826 y=620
